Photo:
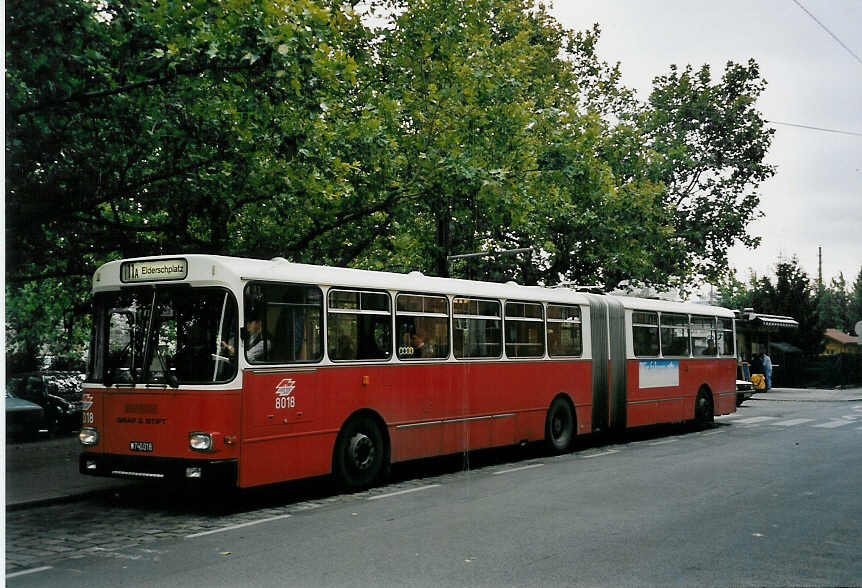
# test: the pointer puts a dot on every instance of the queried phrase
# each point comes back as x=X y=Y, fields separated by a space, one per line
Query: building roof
x=757 y=319
x=840 y=336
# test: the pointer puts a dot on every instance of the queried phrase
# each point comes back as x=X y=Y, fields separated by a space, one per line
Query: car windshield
x=166 y=335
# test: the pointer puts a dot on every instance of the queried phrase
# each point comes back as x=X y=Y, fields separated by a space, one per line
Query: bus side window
x=674 y=335
x=358 y=325
x=703 y=335
x=645 y=334
x=564 y=331
x=292 y=316
x=422 y=324
x=725 y=337
x=525 y=329
x=477 y=328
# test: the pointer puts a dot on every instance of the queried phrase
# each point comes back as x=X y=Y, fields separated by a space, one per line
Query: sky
x=815 y=198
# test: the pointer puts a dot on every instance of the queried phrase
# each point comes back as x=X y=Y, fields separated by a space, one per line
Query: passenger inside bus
x=418 y=343
x=254 y=346
x=710 y=348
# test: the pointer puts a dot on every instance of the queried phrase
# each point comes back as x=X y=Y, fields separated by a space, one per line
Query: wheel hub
x=361 y=451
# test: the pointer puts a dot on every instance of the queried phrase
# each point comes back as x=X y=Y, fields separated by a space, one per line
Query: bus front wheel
x=360 y=453
x=560 y=425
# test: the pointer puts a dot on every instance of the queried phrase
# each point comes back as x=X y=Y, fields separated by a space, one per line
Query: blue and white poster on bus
x=658 y=373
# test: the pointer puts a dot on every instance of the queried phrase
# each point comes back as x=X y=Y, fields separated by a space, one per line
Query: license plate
x=141 y=445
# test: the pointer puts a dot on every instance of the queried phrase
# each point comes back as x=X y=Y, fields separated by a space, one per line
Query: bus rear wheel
x=560 y=426
x=360 y=453
x=704 y=413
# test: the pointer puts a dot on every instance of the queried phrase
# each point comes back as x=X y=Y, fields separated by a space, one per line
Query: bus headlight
x=88 y=436
x=201 y=441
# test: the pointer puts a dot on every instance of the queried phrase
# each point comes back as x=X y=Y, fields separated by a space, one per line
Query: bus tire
x=360 y=454
x=704 y=413
x=560 y=425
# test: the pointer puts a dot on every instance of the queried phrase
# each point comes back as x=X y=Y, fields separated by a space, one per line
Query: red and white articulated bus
x=255 y=372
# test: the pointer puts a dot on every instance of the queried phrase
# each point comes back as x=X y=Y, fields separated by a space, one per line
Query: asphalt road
x=768 y=496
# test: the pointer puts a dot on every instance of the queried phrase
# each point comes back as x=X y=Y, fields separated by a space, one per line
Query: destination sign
x=154 y=271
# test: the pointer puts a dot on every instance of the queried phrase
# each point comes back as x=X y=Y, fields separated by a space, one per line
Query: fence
x=831 y=371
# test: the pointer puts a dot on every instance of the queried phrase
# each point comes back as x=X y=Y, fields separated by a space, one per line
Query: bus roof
x=200 y=270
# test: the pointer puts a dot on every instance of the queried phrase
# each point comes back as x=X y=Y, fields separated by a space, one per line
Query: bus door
x=278 y=405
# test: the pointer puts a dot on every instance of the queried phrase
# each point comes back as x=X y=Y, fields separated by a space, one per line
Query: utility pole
x=819 y=268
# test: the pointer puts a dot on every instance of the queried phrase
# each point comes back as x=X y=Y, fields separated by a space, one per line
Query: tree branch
x=84 y=97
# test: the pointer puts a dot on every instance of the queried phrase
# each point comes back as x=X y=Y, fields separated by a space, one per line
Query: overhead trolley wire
x=825 y=28
x=787 y=124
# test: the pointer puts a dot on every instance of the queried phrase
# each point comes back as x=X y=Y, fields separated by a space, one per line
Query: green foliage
x=791 y=293
x=292 y=128
x=839 y=306
x=856 y=301
x=708 y=146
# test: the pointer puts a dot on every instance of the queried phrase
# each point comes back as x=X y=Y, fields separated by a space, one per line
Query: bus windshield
x=166 y=335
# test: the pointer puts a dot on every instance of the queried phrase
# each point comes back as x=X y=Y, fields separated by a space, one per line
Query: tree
x=290 y=127
x=834 y=305
x=856 y=302
x=517 y=135
x=708 y=144
x=791 y=294
x=138 y=128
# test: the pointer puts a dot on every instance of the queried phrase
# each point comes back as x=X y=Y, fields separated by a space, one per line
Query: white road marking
x=526 y=467
x=239 y=526
x=752 y=420
x=608 y=452
x=25 y=572
x=400 y=492
x=665 y=442
x=832 y=424
x=711 y=433
x=791 y=422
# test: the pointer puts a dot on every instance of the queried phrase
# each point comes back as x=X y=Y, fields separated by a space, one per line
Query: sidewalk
x=810 y=395
x=46 y=471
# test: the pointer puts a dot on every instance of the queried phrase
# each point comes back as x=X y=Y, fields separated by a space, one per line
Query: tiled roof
x=839 y=336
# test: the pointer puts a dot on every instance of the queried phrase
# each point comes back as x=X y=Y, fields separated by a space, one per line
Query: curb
x=59 y=499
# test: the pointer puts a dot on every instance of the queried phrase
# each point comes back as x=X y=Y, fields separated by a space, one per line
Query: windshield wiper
x=171 y=378
x=148 y=339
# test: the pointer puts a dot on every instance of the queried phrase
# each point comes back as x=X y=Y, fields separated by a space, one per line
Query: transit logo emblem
x=87 y=402
x=285 y=387
x=283 y=399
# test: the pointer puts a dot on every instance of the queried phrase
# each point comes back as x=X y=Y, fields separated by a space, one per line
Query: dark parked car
x=23 y=418
x=58 y=393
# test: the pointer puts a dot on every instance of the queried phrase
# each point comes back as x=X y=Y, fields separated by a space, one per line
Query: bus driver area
x=341 y=371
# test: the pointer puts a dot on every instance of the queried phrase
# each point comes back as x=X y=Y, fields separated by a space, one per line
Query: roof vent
x=279 y=259
x=415 y=274
x=594 y=289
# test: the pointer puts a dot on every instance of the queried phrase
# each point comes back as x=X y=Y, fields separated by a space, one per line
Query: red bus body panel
x=649 y=406
x=164 y=418
x=285 y=421
x=429 y=409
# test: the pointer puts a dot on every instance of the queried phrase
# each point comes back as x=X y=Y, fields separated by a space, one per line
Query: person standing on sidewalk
x=767 y=371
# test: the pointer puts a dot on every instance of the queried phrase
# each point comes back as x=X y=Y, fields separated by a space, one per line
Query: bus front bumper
x=134 y=467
